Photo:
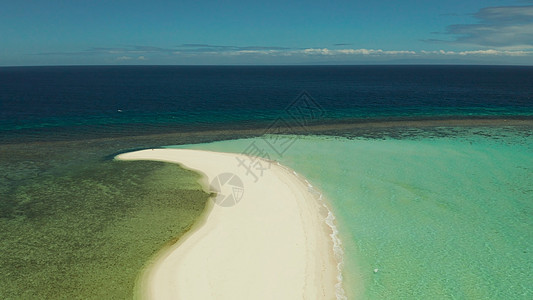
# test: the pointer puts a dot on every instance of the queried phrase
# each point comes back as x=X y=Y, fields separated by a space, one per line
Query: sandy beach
x=264 y=236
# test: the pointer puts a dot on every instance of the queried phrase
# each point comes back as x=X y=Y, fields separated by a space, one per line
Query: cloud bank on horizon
x=487 y=35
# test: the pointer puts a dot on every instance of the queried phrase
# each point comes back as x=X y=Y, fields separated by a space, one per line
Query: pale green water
x=87 y=231
x=440 y=218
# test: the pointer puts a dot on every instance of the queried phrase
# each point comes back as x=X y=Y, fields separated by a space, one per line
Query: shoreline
x=278 y=242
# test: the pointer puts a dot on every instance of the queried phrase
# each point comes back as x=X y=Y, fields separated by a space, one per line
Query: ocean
x=427 y=168
x=57 y=103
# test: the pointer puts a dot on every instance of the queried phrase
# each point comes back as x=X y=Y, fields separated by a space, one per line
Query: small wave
x=338 y=251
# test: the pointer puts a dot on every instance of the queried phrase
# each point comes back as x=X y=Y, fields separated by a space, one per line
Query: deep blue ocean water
x=114 y=100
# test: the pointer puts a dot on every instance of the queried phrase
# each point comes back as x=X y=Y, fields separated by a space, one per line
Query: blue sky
x=38 y=32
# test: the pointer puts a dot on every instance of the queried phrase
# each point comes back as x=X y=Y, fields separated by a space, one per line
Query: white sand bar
x=272 y=244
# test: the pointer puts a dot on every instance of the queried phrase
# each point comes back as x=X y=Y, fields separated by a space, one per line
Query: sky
x=273 y=32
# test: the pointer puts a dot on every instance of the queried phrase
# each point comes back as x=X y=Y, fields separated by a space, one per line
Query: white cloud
x=261 y=52
x=497 y=52
x=487 y=52
x=312 y=51
x=325 y=52
x=356 y=53
x=375 y=52
x=439 y=52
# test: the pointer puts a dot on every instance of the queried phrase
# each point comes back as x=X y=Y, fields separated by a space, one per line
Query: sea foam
x=338 y=251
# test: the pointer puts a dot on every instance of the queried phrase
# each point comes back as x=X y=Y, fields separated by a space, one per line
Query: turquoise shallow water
x=439 y=218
